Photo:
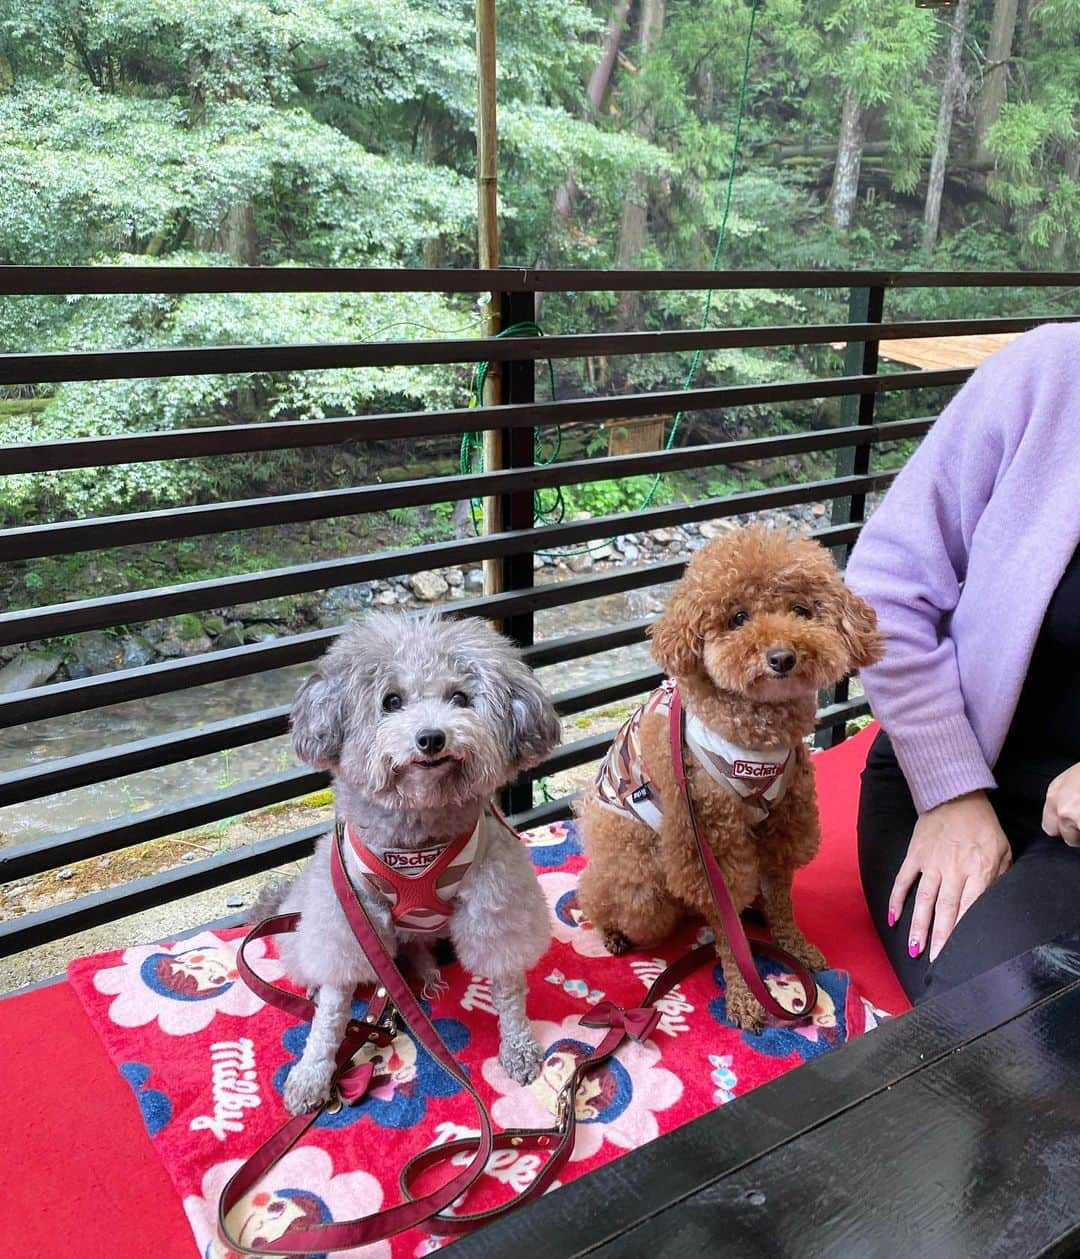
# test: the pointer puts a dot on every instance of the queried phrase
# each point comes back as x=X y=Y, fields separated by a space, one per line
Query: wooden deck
x=941 y=353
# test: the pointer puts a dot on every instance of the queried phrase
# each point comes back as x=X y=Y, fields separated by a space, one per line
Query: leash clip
x=567 y=1095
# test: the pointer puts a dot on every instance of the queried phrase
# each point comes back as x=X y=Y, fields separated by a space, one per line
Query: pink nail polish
x=913 y=948
x=892 y=918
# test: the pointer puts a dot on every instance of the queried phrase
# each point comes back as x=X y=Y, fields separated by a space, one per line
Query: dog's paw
x=521 y=1059
x=744 y=1009
x=615 y=942
x=308 y=1087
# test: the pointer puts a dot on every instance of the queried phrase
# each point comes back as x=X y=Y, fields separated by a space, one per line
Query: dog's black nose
x=781 y=659
x=431 y=742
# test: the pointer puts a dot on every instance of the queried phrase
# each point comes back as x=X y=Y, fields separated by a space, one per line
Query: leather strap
x=741 y=947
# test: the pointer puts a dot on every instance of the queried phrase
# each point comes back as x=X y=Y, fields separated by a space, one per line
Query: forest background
x=342 y=133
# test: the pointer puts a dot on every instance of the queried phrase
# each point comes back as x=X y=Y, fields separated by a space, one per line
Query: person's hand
x=1061 y=814
x=957 y=850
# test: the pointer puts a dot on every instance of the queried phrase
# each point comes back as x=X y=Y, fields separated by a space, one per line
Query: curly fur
x=465 y=680
x=742 y=598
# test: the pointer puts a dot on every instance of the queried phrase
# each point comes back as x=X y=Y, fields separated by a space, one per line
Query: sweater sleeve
x=909 y=564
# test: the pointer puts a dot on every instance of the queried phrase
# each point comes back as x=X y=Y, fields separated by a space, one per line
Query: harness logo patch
x=755 y=769
x=642 y=793
x=411 y=862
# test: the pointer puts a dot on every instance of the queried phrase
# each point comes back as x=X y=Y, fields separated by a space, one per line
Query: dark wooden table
x=951 y=1131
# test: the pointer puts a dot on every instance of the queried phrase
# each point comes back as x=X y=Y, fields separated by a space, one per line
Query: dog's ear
x=676 y=637
x=317 y=721
x=857 y=624
x=533 y=723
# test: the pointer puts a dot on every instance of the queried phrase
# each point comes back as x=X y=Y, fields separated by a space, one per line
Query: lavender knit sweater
x=963 y=556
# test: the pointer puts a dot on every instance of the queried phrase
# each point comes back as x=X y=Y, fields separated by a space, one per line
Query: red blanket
x=206 y=1063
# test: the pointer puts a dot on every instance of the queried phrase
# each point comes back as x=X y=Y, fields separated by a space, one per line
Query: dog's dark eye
x=740 y=618
x=459 y=699
x=800 y=609
x=391 y=702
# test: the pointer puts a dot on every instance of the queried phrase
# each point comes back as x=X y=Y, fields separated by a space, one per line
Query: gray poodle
x=420 y=720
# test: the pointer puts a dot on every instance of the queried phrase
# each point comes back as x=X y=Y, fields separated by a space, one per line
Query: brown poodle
x=759 y=623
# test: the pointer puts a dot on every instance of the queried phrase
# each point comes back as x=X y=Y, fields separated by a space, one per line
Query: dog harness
x=419 y=883
x=625 y=784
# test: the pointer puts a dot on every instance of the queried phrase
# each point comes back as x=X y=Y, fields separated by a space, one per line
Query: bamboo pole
x=487 y=186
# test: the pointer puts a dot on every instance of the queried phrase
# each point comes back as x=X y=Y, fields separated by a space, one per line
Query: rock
x=538 y=562
x=155 y=631
x=98 y=652
x=188 y=856
x=76 y=671
x=187 y=626
x=64 y=875
x=170 y=647
x=196 y=646
x=283 y=610
x=386 y=598
x=456 y=578
x=231 y=637
x=234 y=902
x=429 y=586
x=715 y=528
x=630 y=551
x=215 y=625
x=581 y=563
x=817 y=509
x=474 y=581
x=664 y=536
x=347 y=599
x=260 y=633
x=27 y=670
x=136 y=652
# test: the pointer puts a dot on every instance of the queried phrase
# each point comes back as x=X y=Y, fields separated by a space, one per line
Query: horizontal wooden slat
x=222 y=359
x=114 y=834
x=230 y=439
x=134 y=279
x=67 y=537
x=176 y=746
x=88 y=911
x=120 y=609
x=62 y=698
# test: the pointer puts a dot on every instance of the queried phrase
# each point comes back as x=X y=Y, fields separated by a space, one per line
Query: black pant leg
x=887 y=817
x=1035 y=901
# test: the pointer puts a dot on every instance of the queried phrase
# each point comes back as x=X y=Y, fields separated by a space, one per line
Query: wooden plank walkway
x=938 y=353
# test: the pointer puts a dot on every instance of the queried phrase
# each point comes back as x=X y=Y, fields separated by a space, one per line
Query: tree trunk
x=595 y=91
x=636 y=211
x=995 y=79
x=434 y=247
x=1070 y=169
x=234 y=235
x=845 y=185
x=950 y=90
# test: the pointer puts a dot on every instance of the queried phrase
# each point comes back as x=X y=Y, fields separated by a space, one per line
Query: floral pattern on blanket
x=207 y=1063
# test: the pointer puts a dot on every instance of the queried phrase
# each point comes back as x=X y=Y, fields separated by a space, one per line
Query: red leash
x=741 y=947
x=394 y=996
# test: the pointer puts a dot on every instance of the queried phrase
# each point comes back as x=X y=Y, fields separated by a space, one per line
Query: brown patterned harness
x=625 y=783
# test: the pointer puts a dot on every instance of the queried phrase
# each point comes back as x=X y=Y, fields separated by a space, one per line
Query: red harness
x=420 y=884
